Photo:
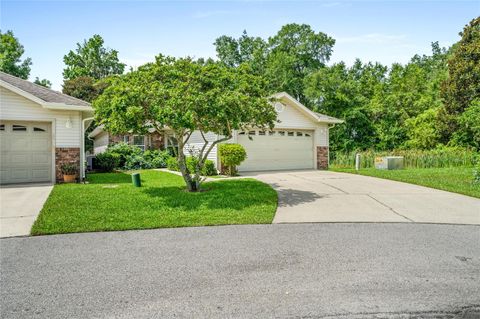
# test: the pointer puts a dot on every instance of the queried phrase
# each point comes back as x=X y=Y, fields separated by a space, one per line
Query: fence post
x=357 y=161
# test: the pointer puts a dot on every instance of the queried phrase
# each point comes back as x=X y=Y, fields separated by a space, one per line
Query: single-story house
x=40 y=129
x=299 y=141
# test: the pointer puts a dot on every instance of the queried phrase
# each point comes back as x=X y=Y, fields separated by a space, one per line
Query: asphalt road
x=263 y=271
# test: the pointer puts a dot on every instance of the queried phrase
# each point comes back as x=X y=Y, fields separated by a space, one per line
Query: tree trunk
x=192 y=185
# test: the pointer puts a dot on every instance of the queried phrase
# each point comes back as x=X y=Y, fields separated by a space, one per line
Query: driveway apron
x=324 y=196
x=20 y=206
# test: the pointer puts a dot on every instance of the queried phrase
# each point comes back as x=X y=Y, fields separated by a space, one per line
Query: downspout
x=82 y=150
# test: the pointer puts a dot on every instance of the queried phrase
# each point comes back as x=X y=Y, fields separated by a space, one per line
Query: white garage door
x=277 y=150
x=26 y=152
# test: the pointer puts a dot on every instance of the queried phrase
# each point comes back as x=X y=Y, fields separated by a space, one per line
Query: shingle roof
x=328 y=118
x=41 y=92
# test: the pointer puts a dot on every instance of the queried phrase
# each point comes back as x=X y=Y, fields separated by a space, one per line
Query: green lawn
x=110 y=202
x=456 y=179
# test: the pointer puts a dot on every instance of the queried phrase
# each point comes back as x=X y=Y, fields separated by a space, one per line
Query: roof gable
x=314 y=116
x=44 y=96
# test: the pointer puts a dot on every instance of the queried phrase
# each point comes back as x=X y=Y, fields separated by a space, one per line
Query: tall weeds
x=437 y=158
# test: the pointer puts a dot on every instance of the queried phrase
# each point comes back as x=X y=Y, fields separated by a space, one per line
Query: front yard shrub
x=136 y=162
x=108 y=161
x=172 y=164
x=209 y=168
x=232 y=155
x=124 y=150
x=156 y=158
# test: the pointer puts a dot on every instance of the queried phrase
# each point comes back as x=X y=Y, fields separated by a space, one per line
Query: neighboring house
x=299 y=141
x=40 y=129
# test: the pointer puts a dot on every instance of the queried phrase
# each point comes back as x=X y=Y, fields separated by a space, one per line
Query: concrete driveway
x=324 y=196
x=20 y=206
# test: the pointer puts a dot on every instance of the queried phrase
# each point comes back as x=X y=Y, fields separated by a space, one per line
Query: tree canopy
x=284 y=59
x=186 y=96
x=462 y=86
x=92 y=59
x=11 y=52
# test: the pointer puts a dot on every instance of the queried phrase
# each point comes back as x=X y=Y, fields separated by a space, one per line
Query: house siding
x=196 y=142
x=291 y=117
x=100 y=143
x=16 y=107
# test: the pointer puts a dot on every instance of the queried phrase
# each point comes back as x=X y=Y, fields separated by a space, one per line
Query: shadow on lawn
x=231 y=194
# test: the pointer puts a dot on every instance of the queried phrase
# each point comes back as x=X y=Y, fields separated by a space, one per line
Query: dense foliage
x=285 y=59
x=107 y=161
x=11 y=52
x=92 y=59
x=232 y=155
x=130 y=157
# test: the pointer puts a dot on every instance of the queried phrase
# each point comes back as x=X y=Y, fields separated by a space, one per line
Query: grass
x=454 y=179
x=110 y=202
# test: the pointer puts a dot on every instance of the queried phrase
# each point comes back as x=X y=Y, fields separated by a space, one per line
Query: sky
x=377 y=31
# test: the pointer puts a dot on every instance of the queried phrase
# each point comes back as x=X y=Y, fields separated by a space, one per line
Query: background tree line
x=432 y=101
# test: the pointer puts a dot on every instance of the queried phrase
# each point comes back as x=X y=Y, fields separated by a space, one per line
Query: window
x=307 y=135
x=139 y=141
x=241 y=133
x=291 y=134
x=251 y=133
x=38 y=129
x=126 y=139
x=271 y=132
x=299 y=134
x=281 y=133
x=2 y=127
x=261 y=132
x=19 y=128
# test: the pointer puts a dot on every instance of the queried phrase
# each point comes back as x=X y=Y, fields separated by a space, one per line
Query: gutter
x=82 y=149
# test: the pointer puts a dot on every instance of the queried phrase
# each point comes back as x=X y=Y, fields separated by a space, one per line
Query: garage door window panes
x=19 y=128
x=39 y=129
x=2 y=127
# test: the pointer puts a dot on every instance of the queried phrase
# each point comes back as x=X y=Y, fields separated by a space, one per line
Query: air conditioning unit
x=389 y=162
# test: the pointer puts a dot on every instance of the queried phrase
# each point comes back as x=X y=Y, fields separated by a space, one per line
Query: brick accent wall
x=65 y=155
x=322 y=157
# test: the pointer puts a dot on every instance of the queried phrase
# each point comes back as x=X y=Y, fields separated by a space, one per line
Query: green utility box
x=136 y=180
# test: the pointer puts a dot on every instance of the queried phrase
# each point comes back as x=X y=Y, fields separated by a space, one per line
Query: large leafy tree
x=296 y=51
x=92 y=59
x=285 y=59
x=84 y=87
x=186 y=96
x=463 y=84
x=11 y=52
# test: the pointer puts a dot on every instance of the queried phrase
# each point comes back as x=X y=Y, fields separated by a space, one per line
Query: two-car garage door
x=277 y=150
x=26 y=152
